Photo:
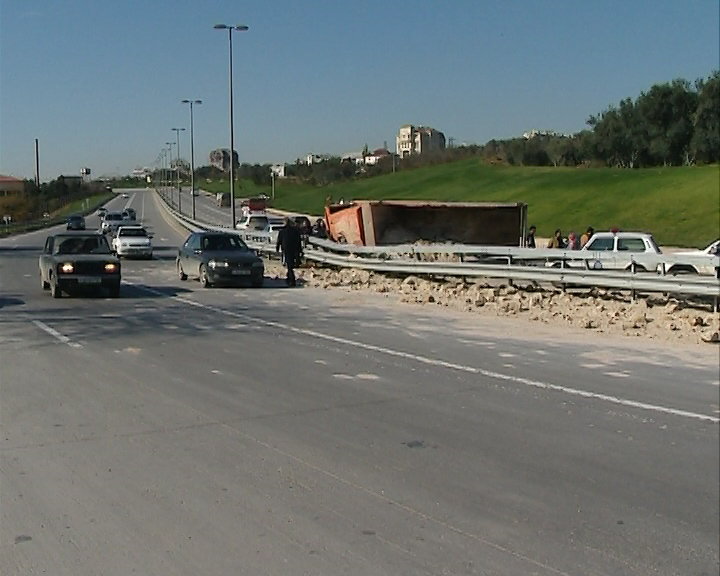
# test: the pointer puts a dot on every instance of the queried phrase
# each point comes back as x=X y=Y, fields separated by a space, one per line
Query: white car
x=681 y=268
x=624 y=245
x=132 y=241
x=111 y=221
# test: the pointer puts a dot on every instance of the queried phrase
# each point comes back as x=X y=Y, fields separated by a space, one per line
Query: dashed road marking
x=441 y=363
x=55 y=334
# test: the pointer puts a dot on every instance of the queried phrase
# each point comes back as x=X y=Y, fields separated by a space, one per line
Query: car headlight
x=111 y=267
x=218 y=264
x=67 y=268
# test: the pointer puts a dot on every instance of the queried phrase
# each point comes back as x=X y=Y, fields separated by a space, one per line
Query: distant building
x=418 y=140
x=535 y=133
x=10 y=186
x=355 y=157
x=376 y=155
x=311 y=159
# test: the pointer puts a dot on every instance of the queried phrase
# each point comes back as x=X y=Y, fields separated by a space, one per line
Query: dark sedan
x=219 y=258
x=76 y=222
x=74 y=262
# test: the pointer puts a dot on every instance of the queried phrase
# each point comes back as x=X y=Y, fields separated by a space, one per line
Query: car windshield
x=224 y=242
x=75 y=218
x=137 y=232
x=82 y=245
x=113 y=216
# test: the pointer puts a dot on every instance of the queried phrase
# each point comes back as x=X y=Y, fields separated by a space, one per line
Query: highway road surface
x=182 y=431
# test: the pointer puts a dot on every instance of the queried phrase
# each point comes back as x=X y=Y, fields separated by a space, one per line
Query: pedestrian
x=289 y=243
x=585 y=237
x=530 y=238
x=572 y=241
x=319 y=230
x=557 y=240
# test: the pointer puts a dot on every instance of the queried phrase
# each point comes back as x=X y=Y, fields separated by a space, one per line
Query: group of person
x=571 y=242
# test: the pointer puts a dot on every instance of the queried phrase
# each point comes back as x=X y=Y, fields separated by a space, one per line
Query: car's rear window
x=136 y=232
x=82 y=245
x=631 y=245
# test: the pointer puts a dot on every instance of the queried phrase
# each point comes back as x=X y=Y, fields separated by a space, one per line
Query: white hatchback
x=132 y=241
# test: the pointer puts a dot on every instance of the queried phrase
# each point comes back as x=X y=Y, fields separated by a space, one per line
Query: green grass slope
x=680 y=205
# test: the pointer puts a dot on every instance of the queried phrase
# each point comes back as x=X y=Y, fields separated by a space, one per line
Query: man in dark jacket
x=289 y=241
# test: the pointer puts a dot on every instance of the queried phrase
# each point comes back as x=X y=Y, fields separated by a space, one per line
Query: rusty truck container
x=388 y=222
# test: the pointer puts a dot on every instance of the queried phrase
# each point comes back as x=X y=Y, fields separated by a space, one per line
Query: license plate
x=241 y=272
x=89 y=280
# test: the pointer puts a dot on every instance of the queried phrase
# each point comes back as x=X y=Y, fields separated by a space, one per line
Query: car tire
x=258 y=283
x=115 y=291
x=204 y=280
x=638 y=268
x=181 y=272
x=45 y=285
x=55 y=290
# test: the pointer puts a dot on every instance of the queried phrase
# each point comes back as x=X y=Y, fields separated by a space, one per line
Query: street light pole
x=192 y=154
x=169 y=172
x=240 y=28
x=177 y=167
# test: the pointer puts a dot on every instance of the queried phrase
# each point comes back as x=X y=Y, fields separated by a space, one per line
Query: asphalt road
x=178 y=430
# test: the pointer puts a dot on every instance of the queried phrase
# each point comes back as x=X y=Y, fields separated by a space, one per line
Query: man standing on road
x=530 y=239
x=585 y=237
x=289 y=241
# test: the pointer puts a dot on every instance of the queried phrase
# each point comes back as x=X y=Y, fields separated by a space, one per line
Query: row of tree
x=671 y=124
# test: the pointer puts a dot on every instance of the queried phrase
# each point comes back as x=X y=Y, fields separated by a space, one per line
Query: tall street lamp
x=169 y=172
x=240 y=28
x=177 y=166
x=192 y=154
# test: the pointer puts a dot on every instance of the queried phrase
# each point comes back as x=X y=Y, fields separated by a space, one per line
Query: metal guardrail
x=487 y=261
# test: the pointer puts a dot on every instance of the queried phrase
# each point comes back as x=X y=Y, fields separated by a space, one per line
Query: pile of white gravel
x=599 y=310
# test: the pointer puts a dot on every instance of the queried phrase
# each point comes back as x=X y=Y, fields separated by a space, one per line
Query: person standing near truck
x=289 y=243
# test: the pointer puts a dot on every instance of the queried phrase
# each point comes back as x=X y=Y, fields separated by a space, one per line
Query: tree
x=705 y=143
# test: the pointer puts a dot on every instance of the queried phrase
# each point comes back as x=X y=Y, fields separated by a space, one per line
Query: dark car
x=129 y=214
x=73 y=262
x=75 y=222
x=219 y=258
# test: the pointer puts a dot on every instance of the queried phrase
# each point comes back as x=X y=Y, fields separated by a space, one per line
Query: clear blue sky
x=99 y=82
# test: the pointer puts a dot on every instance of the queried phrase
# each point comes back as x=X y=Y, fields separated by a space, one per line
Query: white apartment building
x=418 y=139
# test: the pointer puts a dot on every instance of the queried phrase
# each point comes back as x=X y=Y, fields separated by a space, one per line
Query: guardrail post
x=633 y=269
x=510 y=261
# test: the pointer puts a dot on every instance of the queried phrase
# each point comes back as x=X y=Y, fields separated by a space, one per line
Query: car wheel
x=181 y=272
x=204 y=281
x=115 y=291
x=258 y=283
x=45 y=285
x=638 y=268
x=55 y=290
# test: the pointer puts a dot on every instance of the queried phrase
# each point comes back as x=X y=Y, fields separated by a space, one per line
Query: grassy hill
x=680 y=206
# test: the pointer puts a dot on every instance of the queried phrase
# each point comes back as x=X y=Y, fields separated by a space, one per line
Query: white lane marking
x=55 y=334
x=506 y=355
x=442 y=363
x=617 y=374
x=366 y=376
x=343 y=376
x=127 y=204
x=142 y=209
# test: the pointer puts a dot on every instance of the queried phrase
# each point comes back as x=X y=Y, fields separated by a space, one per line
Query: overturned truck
x=388 y=222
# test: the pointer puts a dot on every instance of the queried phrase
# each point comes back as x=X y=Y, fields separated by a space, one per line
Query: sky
x=99 y=82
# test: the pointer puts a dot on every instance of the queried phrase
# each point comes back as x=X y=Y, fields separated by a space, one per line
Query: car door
x=45 y=258
x=192 y=256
